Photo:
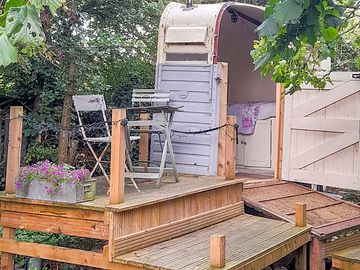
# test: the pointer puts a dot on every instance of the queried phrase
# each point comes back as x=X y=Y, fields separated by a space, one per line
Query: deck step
x=175 y=229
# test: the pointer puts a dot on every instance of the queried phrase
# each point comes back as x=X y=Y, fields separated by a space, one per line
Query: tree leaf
x=330 y=33
x=332 y=20
x=309 y=35
x=287 y=11
x=306 y=4
x=52 y=4
x=3 y=19
x=269 y=27
x=357 y=62
x=14 y=3
x=8 y=52
x=262 y=60
x=24 y=26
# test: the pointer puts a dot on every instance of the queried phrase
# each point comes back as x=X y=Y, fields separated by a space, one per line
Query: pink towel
x=247 y=115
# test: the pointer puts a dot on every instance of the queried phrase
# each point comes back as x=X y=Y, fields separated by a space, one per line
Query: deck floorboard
x=247 y=238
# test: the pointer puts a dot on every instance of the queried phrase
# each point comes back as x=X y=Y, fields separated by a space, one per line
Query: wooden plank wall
x=70 y=221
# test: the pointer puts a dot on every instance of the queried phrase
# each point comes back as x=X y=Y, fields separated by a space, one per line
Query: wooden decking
x=187 y=184
x=347 y=259
x=251 y=243
x=336 y=223
x=326 y=214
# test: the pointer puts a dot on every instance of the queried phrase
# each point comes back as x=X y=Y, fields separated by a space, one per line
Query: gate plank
x=331 y=125
x=321 y=101
x=323 y=178
x=325 y=149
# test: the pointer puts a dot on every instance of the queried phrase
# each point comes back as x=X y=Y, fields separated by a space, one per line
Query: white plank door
x=321 y=134
x=257 y=150
x=193 y=88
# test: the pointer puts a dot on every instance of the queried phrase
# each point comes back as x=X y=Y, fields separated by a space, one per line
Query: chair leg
x=131 y=178
x=162 y=163
x=98 y=160
x=171 y=152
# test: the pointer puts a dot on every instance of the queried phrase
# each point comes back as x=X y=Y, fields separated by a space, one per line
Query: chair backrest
x=90 y=103
x=146 y=97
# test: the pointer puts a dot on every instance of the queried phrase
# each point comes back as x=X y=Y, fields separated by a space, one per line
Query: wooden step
x=175 y=229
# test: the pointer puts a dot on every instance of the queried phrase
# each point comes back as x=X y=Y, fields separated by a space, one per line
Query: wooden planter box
x=70 y=193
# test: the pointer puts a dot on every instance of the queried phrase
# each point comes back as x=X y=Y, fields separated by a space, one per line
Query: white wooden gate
x=321 y=134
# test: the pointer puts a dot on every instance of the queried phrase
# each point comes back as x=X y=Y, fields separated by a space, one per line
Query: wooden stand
x=144 y=143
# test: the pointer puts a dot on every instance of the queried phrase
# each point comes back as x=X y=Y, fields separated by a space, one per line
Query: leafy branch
x=21 y=28
x=297 y=35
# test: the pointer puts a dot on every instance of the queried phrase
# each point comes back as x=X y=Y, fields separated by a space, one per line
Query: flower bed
x=47 y=181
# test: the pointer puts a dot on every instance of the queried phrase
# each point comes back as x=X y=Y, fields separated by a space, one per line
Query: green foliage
x=8 y=52
x=297 y=35
x=53 y=5
x=37 y=152
x=21 y=28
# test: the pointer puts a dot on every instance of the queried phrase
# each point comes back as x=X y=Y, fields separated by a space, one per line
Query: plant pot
x=35 y=264
x=69 y=193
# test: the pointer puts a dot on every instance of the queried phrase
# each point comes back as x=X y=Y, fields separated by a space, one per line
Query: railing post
x=300 y=214
x=12 y=171
x=117 y=165
x=217 y=250
x=14 y=148
x=277 y=155
x=230 y=148
x=223 y=88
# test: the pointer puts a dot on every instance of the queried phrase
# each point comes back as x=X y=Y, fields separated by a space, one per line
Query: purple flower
x=52 y=174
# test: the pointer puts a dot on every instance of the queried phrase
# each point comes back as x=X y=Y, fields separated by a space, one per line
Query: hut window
x=194 y=35
x=186 y=57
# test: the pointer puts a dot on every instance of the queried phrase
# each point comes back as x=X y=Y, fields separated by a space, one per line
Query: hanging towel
x=246 y=114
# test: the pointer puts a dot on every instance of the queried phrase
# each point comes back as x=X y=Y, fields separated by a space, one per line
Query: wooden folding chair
x=96 y=103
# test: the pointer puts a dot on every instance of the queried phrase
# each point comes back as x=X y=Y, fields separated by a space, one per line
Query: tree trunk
x=66 y=115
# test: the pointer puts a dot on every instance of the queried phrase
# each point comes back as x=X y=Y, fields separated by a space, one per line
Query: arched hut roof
x=192 y=33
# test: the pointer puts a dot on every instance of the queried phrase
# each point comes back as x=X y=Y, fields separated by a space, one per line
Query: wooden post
x=300 y=214
x=14 y=148
x=144 y=143
x=222 y=119
x=7 y=259
x=217 y=250
x=317 y=255
x=301 y=258
x=230 y=148
x=117 y=165
x=12 y=171
x=280 y=105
